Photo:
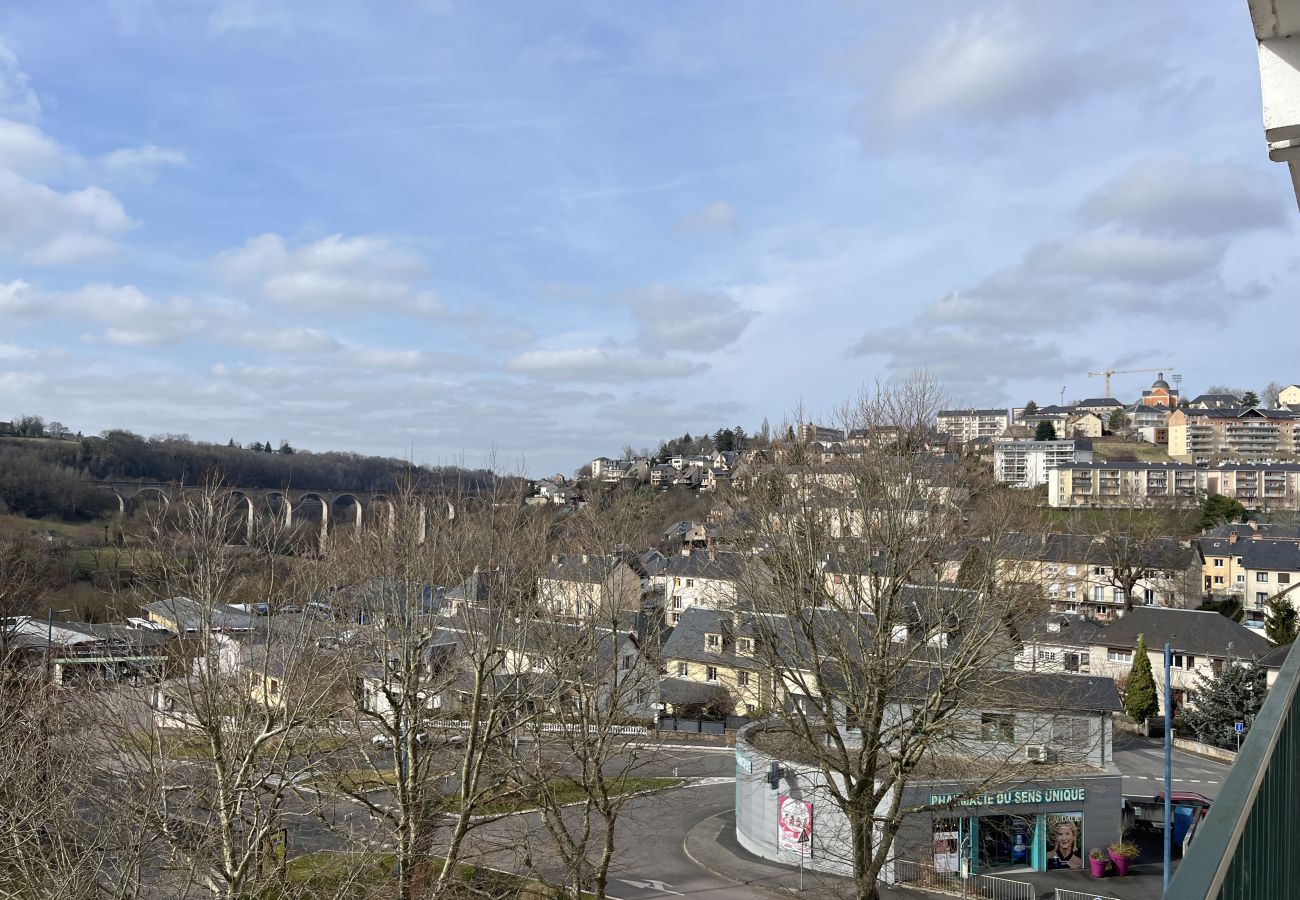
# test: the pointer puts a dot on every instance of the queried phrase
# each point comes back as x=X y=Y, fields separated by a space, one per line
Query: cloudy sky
x=443 y=228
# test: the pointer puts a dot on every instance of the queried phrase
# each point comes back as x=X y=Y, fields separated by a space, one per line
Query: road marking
x=650 y=884
x=710 y=780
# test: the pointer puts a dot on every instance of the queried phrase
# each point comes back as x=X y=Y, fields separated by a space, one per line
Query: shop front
x=1032 y=827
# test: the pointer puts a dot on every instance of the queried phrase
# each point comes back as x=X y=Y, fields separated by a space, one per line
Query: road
x=1141 y=761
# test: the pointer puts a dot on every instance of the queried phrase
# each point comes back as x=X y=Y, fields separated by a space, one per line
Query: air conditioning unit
x=1036 y=753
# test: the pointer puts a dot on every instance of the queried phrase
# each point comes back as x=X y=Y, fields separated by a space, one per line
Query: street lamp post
x=49 y=641
x=1169 y=764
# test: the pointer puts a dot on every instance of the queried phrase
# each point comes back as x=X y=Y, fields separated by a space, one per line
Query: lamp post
x=49 y=640
x=1169 y=762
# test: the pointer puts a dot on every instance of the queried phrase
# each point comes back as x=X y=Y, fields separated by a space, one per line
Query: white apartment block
x=1026 y=463
x=967 y=424
x=1257 y=486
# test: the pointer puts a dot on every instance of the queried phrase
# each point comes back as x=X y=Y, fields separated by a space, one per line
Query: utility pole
x=1169 y=768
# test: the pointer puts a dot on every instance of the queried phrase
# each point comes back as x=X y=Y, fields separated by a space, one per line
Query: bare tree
x=207 y=762
x=1269 y=398
x=880 y=662
x=1132 y=546
x=437 y=596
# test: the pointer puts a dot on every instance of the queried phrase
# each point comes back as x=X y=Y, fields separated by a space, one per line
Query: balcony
x=1246 y=847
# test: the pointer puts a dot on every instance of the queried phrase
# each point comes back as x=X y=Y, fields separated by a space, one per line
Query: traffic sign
x=1239 y=727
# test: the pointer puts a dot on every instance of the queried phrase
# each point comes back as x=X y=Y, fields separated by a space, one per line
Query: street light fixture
x=49 y=640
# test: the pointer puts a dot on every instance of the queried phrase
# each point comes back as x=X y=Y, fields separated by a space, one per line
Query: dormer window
x=745 y=646
x=713 y=642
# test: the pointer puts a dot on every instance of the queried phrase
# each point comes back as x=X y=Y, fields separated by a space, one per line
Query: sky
x=528 y=234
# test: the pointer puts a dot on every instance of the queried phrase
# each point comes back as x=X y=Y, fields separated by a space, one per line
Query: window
x=274 y=685
x=1241 y=579
x=997 y=727
x=1099 y=570
x=1119 y=655
x=690 y=582
x=1053 y=568
x=1218 y=564
x=745 y=645
x=712 y=641
x=1218 y=579
x=1120 y=596
x=683 y=669
x=1283 y=577
x=1099 y=594
x=1261 y=596
x=677 y=603
x=1047 y=655
x=677 y=582
x=1053 y=590
x=626 y=663
x=742 y=679
x=1071 y=570
x=711 y=673
x=674 y=619
x=1261 y=576
x=1071 y=593
x=1149 y=595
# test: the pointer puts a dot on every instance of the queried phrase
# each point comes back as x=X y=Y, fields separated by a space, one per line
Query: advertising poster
x=946 y=844
x=794 y=824
x=1064 y=838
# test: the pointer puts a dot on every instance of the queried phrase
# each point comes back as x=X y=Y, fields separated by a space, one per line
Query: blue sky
x=536 y=232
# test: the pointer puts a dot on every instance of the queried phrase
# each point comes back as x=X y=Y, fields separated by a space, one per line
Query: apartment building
x=1119 y=485
x=1253 y=571
x=1026 y=463
x=1198 y=435
x=967 y=424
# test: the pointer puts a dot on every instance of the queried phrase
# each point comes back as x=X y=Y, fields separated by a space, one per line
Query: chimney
x=1232 y=536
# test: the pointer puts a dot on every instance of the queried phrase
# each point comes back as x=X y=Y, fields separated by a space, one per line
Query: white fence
x=1063 y=894
x=977 y=887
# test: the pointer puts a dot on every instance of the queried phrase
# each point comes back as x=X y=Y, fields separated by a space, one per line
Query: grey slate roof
x=1274 y=658
x=1100 y=401
x=1062 y=628
x=1200 y=632
x=725 y=565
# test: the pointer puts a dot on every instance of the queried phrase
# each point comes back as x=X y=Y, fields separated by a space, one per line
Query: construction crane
x=1109 y=372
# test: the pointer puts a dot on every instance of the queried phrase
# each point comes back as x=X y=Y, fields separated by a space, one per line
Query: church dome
x=1160 y=382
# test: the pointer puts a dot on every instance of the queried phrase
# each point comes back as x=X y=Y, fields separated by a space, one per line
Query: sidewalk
x=712 y=845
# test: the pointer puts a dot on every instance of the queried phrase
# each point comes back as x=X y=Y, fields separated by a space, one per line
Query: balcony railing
x=1245 y=849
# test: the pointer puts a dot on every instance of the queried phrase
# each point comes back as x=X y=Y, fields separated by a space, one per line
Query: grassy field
x=345 y=876
x=1128 y=451
x=1096 y=521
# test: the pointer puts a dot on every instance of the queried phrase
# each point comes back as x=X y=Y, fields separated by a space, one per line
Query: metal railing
x=1063 y=894
x=1246 y=849
x=926 y=877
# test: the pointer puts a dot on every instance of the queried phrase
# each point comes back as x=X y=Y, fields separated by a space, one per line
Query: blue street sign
x=1239 y=727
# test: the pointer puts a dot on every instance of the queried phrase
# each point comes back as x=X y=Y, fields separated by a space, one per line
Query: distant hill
x=44 y=477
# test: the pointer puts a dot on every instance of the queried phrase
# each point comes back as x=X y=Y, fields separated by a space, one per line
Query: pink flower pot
x=1121 y=864
x=1098 y=867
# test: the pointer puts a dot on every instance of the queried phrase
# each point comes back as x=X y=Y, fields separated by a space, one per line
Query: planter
x=1098 y=867
x=1121 y=864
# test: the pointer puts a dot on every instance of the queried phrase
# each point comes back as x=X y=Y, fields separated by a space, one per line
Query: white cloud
x=288 y=340
x=28 y=151
x=233 y=16
x=1185 y=196
x=717 y=217
x=337 y=273
x=16 y=95
x=140 y=163
x=672 y=319
x=398 y=360
x=14 y=351
x=611 y=364
x=49 y=227
x=1006 y=64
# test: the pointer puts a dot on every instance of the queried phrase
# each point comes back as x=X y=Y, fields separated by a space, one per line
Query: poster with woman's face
x=1064 y=838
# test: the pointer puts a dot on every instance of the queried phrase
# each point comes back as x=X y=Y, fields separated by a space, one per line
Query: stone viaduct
x=282 y=504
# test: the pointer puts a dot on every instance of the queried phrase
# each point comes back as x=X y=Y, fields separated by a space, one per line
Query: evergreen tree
x=1280 y=619
x=1140 y=700
x=1233 y=694
x=1030 y=408
x=256 y=446
x=266 y=448
x=1250 y=398
x=1218 y=509
x=285 y=449
x=1045 y=431
x=232 y=444
x=972 y=570
x=1118 y=421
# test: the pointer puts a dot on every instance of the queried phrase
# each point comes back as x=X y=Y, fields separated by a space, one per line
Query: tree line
x=53 y=478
